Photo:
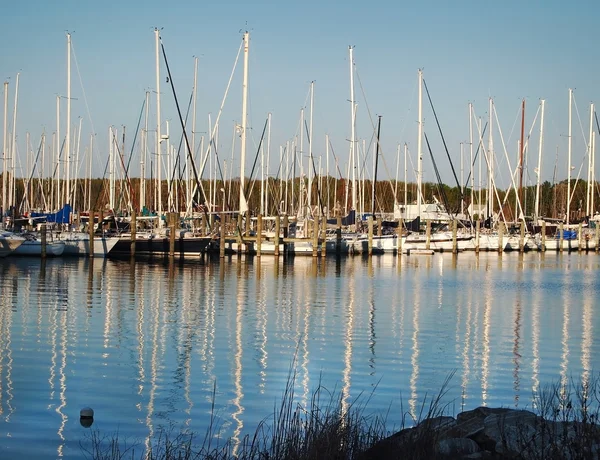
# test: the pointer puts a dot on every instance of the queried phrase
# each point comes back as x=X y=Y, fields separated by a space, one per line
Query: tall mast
x=462 y=172
x=471 y=158
x=4 y=157
x=188 y=196
x=489 y=199
x=405 y=180
x=539 y=166
x=243 y=204
x=68 y=138
x=57 y=152
x=144 y=155
x=111 y=168
x=13 y=150
x=352 y=128
x=420 y=147
x=158 y=136
x=376 y=164
x=310 y=143
x=593 y=169
x=521 y=149
x=590 y=188
x=569 y=158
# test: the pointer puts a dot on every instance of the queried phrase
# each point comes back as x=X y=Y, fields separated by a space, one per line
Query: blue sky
x=469 y=51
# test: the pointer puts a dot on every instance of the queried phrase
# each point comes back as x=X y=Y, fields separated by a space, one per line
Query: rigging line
x=337 y=165
x=262 y=137
x=312 y=159
x=476 y=155
x=439 y=185
x=127 y=179
x=85 y=100
x=132 y=193
x=191 y=158
x=30 y=178
x=437 y=121
x=179 y=177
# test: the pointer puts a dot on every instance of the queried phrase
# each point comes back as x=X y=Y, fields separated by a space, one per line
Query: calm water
x=146 y=345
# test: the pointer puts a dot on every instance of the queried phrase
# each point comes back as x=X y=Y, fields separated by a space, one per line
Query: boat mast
x=310 y=139
x=521 y=150
x=593 y=180
x=420 y=147
x=144 y=156
x=158 y=136
x=188 y=196
x=490 y=201
x=539 y=167
x=376 y=164
x=352 y=129
x=405 y=181
x=68 y=138
x=13 y=150
x=462 y=173
x=4 y=158
x=590 y=188
x=569 y=159
x=243 y=203
x=57 y=204
x=471 y=159
x=111 y=168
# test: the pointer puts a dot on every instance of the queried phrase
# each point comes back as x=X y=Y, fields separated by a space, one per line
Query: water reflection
x=157 y=344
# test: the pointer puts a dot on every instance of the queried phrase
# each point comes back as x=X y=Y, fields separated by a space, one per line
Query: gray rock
x=454 y=447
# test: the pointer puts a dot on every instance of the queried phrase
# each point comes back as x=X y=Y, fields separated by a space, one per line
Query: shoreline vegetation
x=562 y=423
x=332 y=193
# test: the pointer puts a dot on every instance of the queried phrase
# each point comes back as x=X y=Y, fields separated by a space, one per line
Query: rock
x=454 y=447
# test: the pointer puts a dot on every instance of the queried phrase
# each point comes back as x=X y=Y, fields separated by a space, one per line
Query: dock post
x=323 y=235
x=248 y=228
x=132 y=228
x=500 y=237
x=277 y=234
x=239 y=234
x=286 y=230
x=454 y=236
x=370 y=241
x=379 y=229
x=477 y=231
x=561 y=236
x=579 y=239
x=597 y=236
x=543 y=248
x=400 y=231
x=222 y=236
x=44 y=240
x=92 y=218
x=171 y=217
x=259 y=235
x=315 y=251
x=338 y=237
x=101 y=222
x=522 y=237
x=428 y=235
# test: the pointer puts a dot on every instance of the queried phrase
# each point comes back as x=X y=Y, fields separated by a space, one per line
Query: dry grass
x=329 y=428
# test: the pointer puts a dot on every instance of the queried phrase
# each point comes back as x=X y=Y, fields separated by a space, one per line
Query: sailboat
x=9 y=242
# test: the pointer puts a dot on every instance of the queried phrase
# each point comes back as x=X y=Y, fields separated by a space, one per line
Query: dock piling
x=259 y=224
x=277 y=234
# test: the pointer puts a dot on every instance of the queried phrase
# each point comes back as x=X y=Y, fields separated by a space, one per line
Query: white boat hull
x=34 y=248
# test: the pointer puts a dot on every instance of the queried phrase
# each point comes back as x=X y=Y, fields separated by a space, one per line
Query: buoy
x=86 y=412
x=86 y=417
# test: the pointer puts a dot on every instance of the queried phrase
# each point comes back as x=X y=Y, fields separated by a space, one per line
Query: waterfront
x=146 y=344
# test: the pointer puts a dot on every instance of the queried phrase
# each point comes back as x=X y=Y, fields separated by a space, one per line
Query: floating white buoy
x=86 y=412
